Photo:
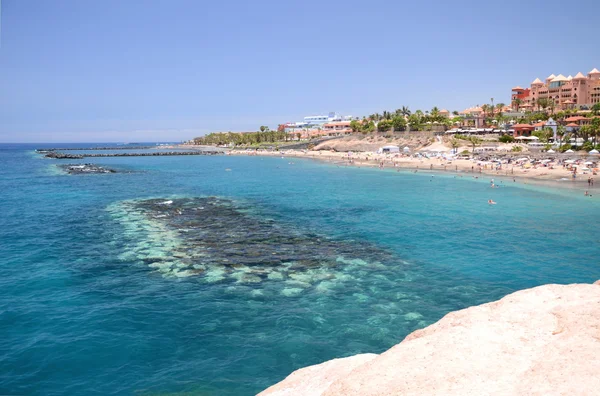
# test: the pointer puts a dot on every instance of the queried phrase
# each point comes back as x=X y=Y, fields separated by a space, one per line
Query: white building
x=315 y=121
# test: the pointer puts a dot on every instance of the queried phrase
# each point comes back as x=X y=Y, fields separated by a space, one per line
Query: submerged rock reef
x=219 y=240
x=540 y=341
x=85 y=169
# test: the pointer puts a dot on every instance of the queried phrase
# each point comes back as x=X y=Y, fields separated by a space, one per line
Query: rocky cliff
x=540 y=341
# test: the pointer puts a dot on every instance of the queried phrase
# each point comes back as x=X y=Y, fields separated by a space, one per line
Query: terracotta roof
x=444 y=111
x=540 y=124
x=537 y=81
x=551 y=76
x=575 y=118
x=595 y=71
x=522 y=126
x=471 y=110
x=572 y=125
x=517 y=87
x=579 y=76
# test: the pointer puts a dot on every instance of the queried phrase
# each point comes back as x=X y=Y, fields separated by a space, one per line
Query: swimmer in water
x=491 y=202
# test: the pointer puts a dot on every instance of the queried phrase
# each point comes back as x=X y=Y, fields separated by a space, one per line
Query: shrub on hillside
x=506 y=139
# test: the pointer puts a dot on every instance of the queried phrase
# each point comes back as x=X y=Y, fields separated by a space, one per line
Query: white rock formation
x=540 y=341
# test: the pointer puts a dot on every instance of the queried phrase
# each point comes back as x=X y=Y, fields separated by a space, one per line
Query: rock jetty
x=540 y=341
x=96 y=148
x=59 y=155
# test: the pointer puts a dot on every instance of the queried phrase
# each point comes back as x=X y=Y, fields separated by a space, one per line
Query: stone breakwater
x=219 y=240
x=46 y=150
x=540 y=341
x=59 y=155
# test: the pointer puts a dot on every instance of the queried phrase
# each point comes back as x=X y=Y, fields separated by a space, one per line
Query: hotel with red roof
x=561 y=92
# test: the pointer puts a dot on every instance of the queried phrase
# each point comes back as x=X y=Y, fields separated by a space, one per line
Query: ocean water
x=220 y=275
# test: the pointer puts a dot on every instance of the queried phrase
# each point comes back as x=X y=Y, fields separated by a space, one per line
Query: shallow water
x=96 y=296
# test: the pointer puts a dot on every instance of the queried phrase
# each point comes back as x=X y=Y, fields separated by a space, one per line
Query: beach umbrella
x=551 y=151
x=588 y=162
x=594 y=151
x=570 y=162
x=569 y=151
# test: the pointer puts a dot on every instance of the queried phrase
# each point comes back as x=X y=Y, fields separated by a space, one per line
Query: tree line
x=263 y=135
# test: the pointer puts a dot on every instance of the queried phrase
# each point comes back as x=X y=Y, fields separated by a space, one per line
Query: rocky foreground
x=540 y=341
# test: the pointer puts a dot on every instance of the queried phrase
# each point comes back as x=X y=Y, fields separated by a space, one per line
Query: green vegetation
x=506 y=139
x=454 y=144
x=517 y=149
x=473 y=140
x=264 y=135
x=544 y=134
x=564 y=147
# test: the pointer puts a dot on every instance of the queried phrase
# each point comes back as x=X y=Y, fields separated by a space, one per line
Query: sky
x=170 y=70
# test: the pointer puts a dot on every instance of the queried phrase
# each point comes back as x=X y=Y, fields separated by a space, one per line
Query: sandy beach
x=521 y=171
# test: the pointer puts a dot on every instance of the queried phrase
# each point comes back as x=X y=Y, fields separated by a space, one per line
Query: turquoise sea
x=220 y=275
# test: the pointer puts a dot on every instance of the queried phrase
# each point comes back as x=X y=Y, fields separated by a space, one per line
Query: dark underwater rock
x=85 y=169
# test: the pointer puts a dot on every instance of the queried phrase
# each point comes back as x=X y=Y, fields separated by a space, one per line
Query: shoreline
x=558 y=176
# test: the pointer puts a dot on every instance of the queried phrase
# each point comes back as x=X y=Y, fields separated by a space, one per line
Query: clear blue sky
x=148 y=70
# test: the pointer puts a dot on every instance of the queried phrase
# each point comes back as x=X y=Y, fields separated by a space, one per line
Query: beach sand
x=470 y=167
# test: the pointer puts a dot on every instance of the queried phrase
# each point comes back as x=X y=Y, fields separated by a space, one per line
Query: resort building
x=337 y=128
x=559 y=92
x=474 y=116
x=315 y=122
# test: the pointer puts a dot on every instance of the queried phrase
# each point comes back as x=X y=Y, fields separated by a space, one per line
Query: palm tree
x=475 y=141
x=517 y=103
x=499 y=107
x=405 y=111
x=543 y=103
x=552 y=104
x=485 y=108
x=455 y=144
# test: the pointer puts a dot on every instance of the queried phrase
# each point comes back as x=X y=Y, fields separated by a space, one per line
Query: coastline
x=557 y=177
